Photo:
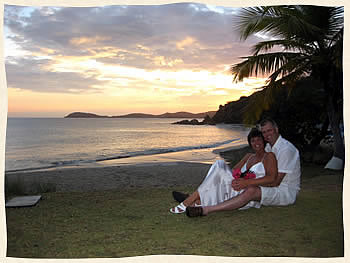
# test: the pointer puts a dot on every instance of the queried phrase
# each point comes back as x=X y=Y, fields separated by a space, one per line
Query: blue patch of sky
x=212 y=8
x=21 y=12
x=222 y=10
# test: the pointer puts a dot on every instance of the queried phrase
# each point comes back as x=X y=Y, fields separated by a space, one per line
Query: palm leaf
x=258 y=103
x=255 y=107
x=292 y=70
x=336 y=49
x=286 y=45
x=280 y=21
x=336 y=21
x=261 y=64
x=309 y=40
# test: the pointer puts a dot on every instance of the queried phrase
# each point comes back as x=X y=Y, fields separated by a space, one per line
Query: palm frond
x=336 y=49
x=261 y=64
x=285 y=44
x=280 y=21
x=258 y=103
x=256 y=19
x=336 y=21
x=290 y=78
x=292 y=70
x=255 y=107
x=310 y=43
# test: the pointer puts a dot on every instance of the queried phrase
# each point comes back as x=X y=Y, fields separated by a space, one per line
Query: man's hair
x=264 y=121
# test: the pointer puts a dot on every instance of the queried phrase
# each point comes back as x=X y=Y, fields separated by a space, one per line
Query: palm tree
x=305 y=41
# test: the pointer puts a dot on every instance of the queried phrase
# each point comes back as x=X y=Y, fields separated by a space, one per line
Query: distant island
x=231 y=112
x=181 y=114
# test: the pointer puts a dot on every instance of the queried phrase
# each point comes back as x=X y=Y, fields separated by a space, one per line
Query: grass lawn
x=135 y=222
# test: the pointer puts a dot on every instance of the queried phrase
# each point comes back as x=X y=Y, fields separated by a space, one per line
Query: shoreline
x=162 y=170
x=205 y=155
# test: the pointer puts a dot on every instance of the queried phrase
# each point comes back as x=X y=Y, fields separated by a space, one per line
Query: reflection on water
x=54 y=142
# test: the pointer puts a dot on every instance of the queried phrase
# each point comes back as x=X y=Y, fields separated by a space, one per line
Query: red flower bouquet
x=249 y=175
x=236 y=173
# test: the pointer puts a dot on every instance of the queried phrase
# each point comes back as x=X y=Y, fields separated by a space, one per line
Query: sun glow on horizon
x=154 y=91
x=110 y=72
x=184 y=81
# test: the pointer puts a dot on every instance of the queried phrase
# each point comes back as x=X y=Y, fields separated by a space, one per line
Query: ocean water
x=41 y=143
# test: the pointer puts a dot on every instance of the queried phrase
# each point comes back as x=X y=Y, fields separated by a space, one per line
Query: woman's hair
x=255 y=132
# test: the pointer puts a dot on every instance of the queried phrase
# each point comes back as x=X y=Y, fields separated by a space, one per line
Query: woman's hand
x=239 y=184
x=236 y=173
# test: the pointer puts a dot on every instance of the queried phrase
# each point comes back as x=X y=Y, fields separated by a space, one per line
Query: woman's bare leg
x=250 y=194
x=194 y=198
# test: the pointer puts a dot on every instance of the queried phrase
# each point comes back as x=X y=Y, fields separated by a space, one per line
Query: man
x=282 y=192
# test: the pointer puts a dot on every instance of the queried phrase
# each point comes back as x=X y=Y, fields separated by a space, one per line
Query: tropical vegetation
x=305 y=45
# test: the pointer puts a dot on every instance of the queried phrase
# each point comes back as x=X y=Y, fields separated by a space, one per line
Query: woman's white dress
x=217 y=185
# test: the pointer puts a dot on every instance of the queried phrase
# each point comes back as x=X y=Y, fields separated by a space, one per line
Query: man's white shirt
x=288 y=162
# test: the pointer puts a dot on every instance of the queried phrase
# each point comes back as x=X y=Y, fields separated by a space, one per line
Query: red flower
x=250 y=175
x=236 y=173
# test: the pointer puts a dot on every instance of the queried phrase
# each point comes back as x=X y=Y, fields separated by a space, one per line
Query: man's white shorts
x=277 y=196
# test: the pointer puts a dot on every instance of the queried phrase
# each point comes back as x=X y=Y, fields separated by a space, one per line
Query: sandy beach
x=115 y=177
x=187 y=168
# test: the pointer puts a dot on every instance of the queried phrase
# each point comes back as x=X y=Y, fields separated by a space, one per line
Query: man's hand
x=239 y=184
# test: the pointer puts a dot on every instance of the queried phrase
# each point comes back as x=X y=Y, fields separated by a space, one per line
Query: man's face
x=270 y=133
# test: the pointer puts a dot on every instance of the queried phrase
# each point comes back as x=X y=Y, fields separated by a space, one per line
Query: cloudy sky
x=122 y=59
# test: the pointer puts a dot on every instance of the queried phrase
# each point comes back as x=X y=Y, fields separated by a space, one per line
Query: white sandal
x=181 y=208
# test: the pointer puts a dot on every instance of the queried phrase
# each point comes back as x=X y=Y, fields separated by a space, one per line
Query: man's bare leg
x=250 y=194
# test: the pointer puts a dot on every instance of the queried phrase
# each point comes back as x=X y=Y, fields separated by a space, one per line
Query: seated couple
x=270 y=176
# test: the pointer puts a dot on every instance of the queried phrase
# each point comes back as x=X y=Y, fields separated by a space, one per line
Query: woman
x=258 y=168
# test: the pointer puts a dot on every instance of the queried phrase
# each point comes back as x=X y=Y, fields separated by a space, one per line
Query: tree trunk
x=317 y=139
x=334 y=120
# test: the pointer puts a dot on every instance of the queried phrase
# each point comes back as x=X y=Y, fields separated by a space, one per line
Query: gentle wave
x=166 y=150
x=79 y=162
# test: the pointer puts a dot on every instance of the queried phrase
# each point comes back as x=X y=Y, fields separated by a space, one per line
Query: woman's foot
x=179 y=209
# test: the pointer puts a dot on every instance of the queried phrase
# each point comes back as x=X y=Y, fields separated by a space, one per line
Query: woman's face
x=257 y=143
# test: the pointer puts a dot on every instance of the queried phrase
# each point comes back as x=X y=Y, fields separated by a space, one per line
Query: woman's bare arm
x=240 y=164
x=270 y=165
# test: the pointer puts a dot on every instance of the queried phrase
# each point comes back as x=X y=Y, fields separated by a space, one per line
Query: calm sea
x=40 y=143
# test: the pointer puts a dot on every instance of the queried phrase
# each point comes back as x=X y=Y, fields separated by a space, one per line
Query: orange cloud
x=77 y=41
x=188 y=41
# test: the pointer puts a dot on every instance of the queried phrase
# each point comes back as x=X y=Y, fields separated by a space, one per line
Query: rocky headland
x=207 y=121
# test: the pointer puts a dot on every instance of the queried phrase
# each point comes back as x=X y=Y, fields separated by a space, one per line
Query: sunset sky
x=114 y=60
